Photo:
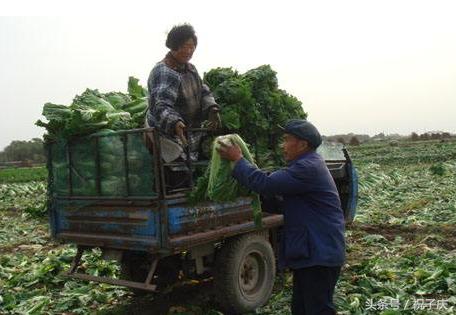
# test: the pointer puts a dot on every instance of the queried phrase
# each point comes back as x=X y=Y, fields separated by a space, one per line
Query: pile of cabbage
x=252 y=105
x=98 y=115
x=93 y=111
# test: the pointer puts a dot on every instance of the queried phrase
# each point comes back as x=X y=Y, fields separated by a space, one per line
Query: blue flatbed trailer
x=156 y=235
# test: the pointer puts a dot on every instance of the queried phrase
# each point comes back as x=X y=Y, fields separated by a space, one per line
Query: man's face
x=185 y=52
x=292 y=147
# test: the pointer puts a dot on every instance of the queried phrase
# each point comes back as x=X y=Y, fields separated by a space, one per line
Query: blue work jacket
x=313 y=233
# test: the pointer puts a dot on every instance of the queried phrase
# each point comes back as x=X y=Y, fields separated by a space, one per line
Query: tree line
x=357 y=139
x=23 y=150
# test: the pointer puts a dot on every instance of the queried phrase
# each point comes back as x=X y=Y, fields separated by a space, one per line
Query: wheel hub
x=250 y=273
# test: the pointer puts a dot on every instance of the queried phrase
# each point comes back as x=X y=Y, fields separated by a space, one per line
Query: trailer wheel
x=245 y=273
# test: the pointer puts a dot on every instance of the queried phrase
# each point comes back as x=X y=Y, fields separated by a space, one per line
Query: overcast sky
x=357 y=66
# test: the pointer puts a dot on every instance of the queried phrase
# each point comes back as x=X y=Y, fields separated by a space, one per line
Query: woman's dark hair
x=179 y=34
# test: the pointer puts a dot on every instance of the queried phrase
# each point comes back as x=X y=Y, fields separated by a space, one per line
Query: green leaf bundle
x=218 y=185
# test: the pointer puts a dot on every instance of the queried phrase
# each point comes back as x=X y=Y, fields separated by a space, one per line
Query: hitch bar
x=146 y=285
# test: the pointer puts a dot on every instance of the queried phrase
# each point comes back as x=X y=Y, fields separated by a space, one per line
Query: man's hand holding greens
x=229 y=152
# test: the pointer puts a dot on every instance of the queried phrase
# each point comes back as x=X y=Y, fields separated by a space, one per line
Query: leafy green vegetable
x=134 y=89
x=253 y=105
x=117 y=99
x=92 y=99
x=20 y=175
x=57 y=116
x=28 y=197
x=35 y=284
x=218 y=184
x=438 y=169
x=92 y=111
x=221 y=185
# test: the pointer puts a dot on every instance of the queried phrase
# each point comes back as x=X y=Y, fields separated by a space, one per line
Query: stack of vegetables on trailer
x=250 y=104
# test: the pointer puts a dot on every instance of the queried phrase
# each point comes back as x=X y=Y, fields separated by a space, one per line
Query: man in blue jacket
x=313 y=244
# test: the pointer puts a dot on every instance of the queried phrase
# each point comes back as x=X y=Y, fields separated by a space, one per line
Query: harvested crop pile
x=92 y=111
x=253 y=105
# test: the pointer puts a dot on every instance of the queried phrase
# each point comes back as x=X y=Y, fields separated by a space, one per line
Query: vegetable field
x=401 y=249
x=22 y=175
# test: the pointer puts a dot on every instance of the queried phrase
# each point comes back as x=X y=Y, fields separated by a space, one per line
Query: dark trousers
x=313 y=290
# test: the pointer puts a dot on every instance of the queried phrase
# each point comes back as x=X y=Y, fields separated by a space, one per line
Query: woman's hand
x=179 y=129
x=214 y=118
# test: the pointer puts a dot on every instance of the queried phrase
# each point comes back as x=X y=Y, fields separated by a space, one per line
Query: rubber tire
x=229 y=262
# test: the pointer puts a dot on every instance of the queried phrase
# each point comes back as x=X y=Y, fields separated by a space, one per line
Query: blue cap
x=304 y=130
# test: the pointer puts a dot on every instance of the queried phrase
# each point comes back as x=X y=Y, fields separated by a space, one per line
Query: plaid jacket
x=178 y=96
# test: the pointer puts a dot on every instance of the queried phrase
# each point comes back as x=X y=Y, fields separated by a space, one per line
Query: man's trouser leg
x=313 y=290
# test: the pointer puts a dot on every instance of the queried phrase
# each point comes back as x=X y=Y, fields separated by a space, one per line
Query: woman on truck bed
x=178 y=98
